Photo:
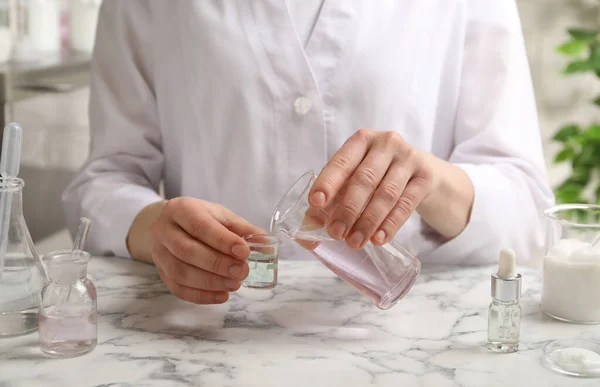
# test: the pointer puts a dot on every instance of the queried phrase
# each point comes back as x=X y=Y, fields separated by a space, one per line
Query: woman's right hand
x=199 y=251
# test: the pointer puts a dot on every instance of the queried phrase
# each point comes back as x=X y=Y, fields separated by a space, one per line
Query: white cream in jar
x=571 y=284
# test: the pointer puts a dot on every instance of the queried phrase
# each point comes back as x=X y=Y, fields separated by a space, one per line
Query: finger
x=413 y=194
x=193 y=295
x=191 y=276
x=360 y=188
x=193 y=252
x=236 y=223
x=339 y=169
x=201 y=225
x=384 y=200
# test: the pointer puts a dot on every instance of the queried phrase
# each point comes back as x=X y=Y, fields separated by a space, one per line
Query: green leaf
x=564 y=155
x=593 y=132
x=581 y=175
x=582 y=33
x=595 y=56
x=566 y=132
x=579 y=66
x=572 y=47
x=597 y=101
x=598 y=194
x=585 y=158
x=568 y=194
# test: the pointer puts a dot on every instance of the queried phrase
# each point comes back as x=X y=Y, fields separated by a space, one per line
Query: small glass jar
x=263 y=260
x=43 y=25
x=571 y=279
x=83 y=17
x=68 y=320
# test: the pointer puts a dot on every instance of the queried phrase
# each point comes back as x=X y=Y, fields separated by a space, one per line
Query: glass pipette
x=82 y=232
x=10 y=161
x=78 y=246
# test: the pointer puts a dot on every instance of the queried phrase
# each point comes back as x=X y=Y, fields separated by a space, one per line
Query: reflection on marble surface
x=311 y=330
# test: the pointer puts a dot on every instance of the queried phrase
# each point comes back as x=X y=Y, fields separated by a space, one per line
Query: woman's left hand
x=380 y=173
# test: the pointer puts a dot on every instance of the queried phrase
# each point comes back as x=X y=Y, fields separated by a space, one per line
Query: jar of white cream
x=571 y=280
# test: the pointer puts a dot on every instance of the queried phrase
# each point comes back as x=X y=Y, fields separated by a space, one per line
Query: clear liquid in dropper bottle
x=68 y=320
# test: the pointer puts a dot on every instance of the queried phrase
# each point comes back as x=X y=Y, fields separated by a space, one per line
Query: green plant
x=580 y=144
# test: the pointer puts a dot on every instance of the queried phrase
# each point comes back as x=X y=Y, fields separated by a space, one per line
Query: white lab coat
x=222 y=101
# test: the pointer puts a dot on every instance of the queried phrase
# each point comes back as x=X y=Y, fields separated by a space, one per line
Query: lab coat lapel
x=332 y=35
x=287 y=73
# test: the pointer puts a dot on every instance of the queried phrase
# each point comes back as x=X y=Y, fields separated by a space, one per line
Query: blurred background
x=45 y=47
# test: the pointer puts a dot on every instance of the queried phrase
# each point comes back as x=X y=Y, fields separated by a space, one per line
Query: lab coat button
x=302 y=106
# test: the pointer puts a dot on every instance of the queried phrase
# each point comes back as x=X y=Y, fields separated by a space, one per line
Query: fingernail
x=232 y=284
x=239 y=251
x=318 y=198
x=338 y=228
x=221 y=297
x=356 y=239
x=236 y=271
x=380 y=236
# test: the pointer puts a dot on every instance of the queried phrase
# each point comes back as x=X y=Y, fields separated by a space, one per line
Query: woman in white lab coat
x=425 y=105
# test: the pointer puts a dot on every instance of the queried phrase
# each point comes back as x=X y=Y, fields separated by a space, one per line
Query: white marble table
x=311 y=330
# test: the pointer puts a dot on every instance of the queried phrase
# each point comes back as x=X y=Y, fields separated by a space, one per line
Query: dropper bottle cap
x=506 y=283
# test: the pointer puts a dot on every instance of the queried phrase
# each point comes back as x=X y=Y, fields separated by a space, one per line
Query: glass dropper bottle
x=68 y=316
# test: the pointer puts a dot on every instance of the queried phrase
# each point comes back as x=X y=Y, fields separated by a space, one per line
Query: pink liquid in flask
x=381 y=273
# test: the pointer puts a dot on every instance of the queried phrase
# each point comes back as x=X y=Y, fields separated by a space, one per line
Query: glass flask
x=383 y=273
x=571 y=269
x=23 y=276
x=263 y=260
x=68 y=314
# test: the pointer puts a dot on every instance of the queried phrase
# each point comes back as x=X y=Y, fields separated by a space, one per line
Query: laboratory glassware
x=43 y=23
x=571 y=269
x=383 y=273
x=6 y=36
x=23 y=276
x=68 y=314
x=10 y=162
x=262 y=261
x=504 y=313
x=23 y=48
x=83 y=16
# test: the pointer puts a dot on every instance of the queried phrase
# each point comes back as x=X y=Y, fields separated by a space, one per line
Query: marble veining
x=311 y=330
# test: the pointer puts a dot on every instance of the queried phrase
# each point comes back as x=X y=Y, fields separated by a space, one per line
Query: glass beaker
x=384 y=273
x=68 y=314
x=571 y=278
x=262 y=261
x=23 y=275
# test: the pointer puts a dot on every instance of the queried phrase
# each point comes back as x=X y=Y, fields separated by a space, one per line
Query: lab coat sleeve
x=497 y=142
x=123 y=172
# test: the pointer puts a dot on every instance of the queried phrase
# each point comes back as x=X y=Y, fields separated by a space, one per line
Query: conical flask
x=23 y=276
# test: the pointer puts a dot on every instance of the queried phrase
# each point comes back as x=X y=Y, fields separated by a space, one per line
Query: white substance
x=571 y=288
x=576 y=360
x=84 y=18
x=5 y=44
x=43 y=18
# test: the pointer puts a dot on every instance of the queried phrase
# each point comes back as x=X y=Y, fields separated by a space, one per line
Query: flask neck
x=11 y=191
